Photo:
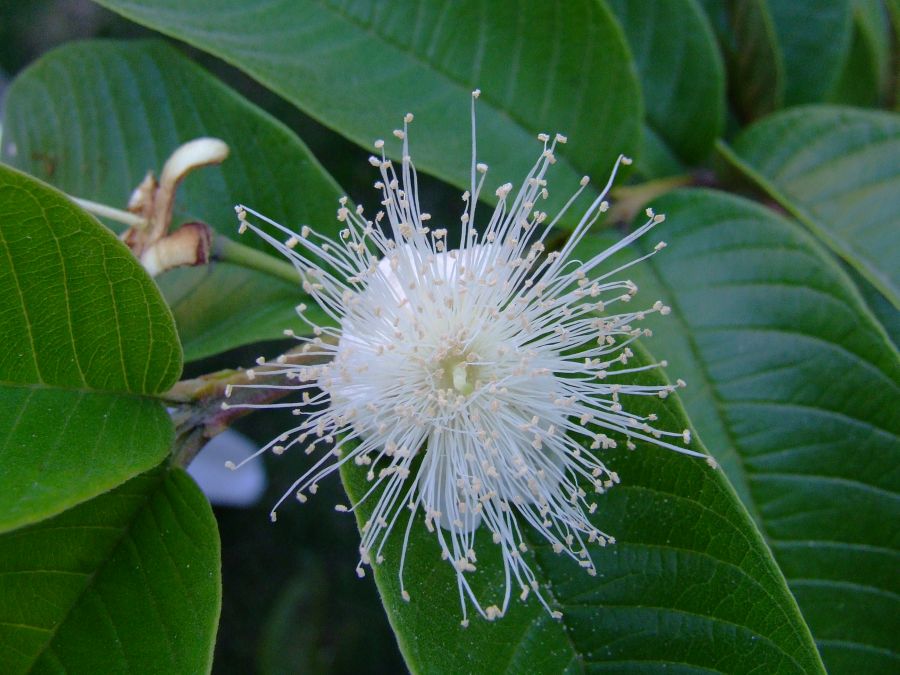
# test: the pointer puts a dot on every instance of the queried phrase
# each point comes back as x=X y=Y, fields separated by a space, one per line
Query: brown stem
x=199 y=414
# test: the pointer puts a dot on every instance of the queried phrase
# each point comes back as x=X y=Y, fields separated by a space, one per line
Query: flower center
x=458 y=374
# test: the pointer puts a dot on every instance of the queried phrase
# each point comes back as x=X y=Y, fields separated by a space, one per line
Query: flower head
x=476 y=379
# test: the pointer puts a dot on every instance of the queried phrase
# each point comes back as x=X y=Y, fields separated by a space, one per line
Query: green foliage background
x=768 y=133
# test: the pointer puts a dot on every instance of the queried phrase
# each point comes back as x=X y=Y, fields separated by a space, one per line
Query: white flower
x=475 y=379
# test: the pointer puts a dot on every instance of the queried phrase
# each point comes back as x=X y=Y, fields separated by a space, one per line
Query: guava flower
x=477 y=376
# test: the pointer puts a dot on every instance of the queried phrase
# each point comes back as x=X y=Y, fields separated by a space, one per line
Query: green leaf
x=357 y=69
x=127 y=582
x=62 y=123
x=756 y=66
x=866 y=75
x=657 y=159
x=86 y=336
x=689 y=585
x=681 y=72
x=881 y=308
x=781 y=53
x=893 y=9
x=794 y=386
x=223 y=306
x=814 y=39
x=838 y=171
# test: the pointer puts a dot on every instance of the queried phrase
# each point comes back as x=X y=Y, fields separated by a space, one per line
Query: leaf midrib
x=678 y=315
x=838 y=244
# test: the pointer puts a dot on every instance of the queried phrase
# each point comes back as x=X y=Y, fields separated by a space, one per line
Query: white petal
x=223 y=486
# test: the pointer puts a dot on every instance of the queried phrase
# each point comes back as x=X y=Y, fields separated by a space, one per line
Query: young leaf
x=838 y=171
x=756 y=62
x=127 y=582
x=62 y=124
x=86 y=336
x=814 y=39
x=688 y=561
x=541 y=67
x=866 y=75
x=781 y=53
x=681 y=72
x=795 y=387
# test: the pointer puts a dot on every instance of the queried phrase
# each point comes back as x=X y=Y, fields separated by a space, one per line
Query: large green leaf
x=795 y=387
x=681 y=72
x=838 y=171
x=127 y=583
x=64 y=123
x=357 y=68
x=781 y=53
x=689 y=585
x=85 y=335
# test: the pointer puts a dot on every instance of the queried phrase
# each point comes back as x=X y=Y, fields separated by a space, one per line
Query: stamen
x=479 y=384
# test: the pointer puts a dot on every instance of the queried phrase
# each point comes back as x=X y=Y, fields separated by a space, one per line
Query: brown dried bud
x=188 y=245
